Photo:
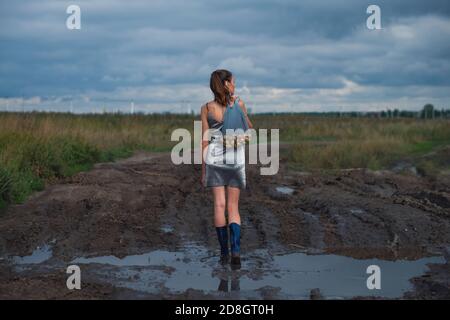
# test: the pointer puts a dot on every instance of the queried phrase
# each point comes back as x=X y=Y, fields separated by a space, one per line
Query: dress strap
x=235 y=100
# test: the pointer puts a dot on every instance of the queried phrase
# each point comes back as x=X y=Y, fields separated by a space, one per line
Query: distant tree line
x=428 y=112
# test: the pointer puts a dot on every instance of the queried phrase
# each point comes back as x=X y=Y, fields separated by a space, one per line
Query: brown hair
x=217 y=85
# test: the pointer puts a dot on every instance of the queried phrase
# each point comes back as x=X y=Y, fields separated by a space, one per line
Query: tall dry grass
x=369 y=143
x=39 y=147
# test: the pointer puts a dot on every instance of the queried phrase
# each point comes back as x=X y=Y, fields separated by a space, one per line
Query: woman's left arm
x=242 y=105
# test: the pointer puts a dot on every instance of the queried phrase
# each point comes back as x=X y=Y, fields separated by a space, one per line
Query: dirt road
x=147 y=208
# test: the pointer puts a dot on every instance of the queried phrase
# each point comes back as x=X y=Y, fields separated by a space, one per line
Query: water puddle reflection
x=290 y=276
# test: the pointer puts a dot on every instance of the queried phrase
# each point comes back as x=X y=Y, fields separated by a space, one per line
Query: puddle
x=286 y=276
x=403 y=166
x=339 y=276
x=294 y=274
x=176 y=270
x=39 y=255
x=285 y=190
x=167 y=228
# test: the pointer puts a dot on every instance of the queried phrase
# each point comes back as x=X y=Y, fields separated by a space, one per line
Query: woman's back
x=234 y=117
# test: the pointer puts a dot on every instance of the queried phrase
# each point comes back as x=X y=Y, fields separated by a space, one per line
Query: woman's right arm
x=204 y=140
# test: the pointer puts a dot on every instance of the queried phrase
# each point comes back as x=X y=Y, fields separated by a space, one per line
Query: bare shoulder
x=204 y=106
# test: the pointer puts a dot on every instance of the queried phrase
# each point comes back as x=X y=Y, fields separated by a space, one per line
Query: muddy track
x=145 y=203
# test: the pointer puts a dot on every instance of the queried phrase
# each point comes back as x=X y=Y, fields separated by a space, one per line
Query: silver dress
x=224 y=166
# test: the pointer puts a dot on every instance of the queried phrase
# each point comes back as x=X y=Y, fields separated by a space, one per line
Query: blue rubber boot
x=222 y=235
x=235 y=240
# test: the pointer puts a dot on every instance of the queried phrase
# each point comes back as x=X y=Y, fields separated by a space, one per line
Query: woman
x=226 y=111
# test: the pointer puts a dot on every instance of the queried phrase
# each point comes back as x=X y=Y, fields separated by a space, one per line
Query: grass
x=362 y=143
x=37 y=148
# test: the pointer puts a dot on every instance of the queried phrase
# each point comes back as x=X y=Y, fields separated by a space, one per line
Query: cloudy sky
x=291 y=55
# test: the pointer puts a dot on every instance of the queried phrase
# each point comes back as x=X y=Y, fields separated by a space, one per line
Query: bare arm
x=205 y=126
x=204 y=141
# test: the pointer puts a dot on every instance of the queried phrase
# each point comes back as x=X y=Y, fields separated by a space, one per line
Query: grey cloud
x=293 y=45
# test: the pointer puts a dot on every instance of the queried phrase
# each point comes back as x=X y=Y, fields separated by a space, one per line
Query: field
x=36 y=148
x=100 y=191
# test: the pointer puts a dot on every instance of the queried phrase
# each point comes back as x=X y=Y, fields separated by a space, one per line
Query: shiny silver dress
x=225 y=166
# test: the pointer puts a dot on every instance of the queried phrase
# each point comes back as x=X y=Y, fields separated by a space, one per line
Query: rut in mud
x=146 y=203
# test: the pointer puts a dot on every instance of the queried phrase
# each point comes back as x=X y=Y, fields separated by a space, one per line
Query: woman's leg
x=234 y=225
x=233 y=205
x=219 y=206
x=220 y=222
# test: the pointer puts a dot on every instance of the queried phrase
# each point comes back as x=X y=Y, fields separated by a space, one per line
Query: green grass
x=329 y=144
x=38 y=148
x=424 y=147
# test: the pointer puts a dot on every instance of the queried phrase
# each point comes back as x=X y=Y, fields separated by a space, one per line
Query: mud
x=145 y=205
